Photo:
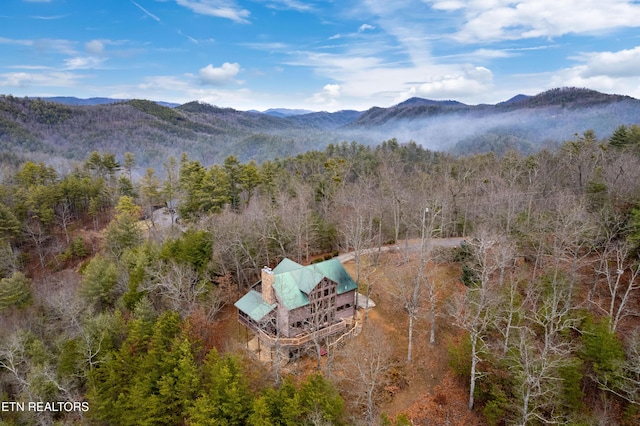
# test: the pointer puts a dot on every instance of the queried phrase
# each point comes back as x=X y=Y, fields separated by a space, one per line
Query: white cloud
x=4 y=40
x=44 y=44
x=95 y=47
x=490 y=54
x=623 y=63
x=448 y=5
x=269 y=47
x=185 y=88
x=330 y=63
x=81 y=63
x=365 y=27
x=469 y=81
x=63 y=46
x=160 y=83
x=291 y=4
x=332 y=90
x=494 y=20
x=48 y=79
x=30 y=67
x=406 y=23
x=328 y=97
x=220 y=75
x=217 y=8
x=610 y=72
x=482 y=55
x=365 y=79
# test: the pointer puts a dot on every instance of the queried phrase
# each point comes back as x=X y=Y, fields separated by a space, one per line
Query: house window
x=343 y=307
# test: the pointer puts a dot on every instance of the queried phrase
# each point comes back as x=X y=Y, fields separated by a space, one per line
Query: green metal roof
x=286 y=265
x=334 y=270
x=288 y=292
x=307 y=278
x=292 y=283
x=253 y=305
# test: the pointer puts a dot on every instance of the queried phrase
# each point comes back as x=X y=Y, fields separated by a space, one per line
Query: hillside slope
x=61 y=132
x=524 y=123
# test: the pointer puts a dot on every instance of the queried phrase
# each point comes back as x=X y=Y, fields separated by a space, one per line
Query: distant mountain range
x=70 y=100
x=285 y=112
x=524 y=123
x=67 y=128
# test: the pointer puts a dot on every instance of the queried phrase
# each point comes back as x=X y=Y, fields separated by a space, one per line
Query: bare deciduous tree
x=178 y=285
x=538 y=380
x=37 y=233
x=473 y=312
x=296 y=216
x=368 y=360
x=8 y=258
x=13 y=359
x=620 y=281
x=64 y=216
x=409 y=295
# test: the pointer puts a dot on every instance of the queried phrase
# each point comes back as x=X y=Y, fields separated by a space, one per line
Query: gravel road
x=412 y=245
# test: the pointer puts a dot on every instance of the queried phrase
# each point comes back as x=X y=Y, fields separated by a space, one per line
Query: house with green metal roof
x=298 y=304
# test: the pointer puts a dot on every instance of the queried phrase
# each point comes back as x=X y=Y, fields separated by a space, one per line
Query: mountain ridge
x=555 y=95
x=72 y=100
x=37 y=128
x=570 y=97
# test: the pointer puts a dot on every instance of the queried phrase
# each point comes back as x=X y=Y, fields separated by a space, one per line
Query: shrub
x=15 y=291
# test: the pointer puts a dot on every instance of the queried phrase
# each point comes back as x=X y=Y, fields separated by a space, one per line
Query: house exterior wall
x=298 y=319
x=345 y=304
x=319 y=313
x=322 y=304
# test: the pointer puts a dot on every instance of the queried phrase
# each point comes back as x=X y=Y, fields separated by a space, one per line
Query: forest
x=35 y=129
x=117 y=291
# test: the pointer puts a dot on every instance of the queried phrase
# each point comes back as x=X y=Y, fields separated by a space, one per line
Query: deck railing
x=353 y=331
x=300 y=340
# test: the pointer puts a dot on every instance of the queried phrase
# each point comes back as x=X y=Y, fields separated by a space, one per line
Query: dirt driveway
x=411 y=245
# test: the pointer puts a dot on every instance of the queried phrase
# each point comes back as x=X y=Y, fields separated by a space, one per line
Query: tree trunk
x=410 y=346
x=474 y=363
x=432 y=313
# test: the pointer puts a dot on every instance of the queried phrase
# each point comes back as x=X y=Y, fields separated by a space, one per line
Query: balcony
x=293 y=342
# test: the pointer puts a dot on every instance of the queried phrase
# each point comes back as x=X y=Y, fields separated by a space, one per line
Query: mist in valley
x=524 y=130
x=64 y=135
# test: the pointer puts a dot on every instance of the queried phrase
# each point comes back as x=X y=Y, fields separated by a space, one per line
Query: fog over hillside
x=525 y=123
x=37 y=129
x=525 y=130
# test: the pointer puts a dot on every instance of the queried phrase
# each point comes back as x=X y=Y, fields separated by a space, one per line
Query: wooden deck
x=298 y=341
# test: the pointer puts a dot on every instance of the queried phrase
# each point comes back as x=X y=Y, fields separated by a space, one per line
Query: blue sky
x=318 y=55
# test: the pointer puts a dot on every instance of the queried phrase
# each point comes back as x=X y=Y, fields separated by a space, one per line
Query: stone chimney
x=268 y=294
